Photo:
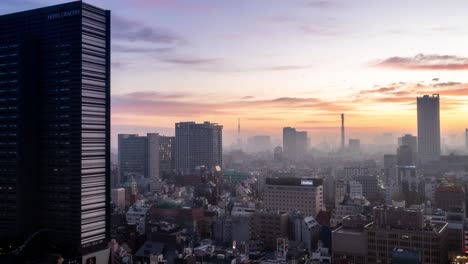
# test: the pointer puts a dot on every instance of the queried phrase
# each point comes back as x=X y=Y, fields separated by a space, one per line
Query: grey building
x=295 y=143
x=133 y=156
x=302 y=143
x=411 y=142
x=349 y=243
x=198 y=145
x=289 y=143
x=370 y=187
x=405 y=156
x=428 y=129
x=390 y=163
x=145 y=156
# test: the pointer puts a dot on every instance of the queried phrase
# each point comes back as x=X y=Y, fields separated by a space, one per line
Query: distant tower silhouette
x=342 y=132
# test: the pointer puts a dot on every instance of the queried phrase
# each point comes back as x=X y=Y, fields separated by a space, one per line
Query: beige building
x=269 y=226
x=290 y=194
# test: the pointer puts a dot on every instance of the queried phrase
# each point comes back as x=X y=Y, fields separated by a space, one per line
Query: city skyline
x=298 y=63
x=207 y=131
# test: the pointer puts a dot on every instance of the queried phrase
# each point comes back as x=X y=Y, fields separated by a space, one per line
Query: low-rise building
x=267 y=226
x=138 y=214
x=349 y=241
x=406 y=229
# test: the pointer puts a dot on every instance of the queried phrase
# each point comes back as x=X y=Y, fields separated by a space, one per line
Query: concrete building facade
x=289 y=194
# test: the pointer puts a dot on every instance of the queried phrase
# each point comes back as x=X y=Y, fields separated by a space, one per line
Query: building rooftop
x=290 y=181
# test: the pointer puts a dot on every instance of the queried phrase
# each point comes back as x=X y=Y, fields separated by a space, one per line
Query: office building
x=295 y=143
x=230 y=228
x=268 y=226
x=341 y=190
x=350 y=172
x=450 y=198
x=306 y=230
x=390 y=173
x=288 y=194
x=145 y=156
x=289 y=143
x=153 y=156
x=412 y=142
x=349 y=244
x=405 y=156
x=370 y=187
x=402 y=228
x=302 y=144
x=133 y=156
x=428 y=129
x=160 y=155
x=138 y=214
x=355 y=189
x=55 y=128
x=166 y=154
x=198 y=145
x=350 y=206
x=408 y=179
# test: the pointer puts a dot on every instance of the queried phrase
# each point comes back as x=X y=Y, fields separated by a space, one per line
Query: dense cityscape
x=186 y=195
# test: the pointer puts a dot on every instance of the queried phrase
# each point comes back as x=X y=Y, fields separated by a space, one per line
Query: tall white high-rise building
x=428 y=129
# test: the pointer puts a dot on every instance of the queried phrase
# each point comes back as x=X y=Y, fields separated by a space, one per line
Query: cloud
x=380 y=90
x=262 y=119
x=192 y=61
x=139 y=49
x=247 y=97
x=308 y=26
x=286 y=67
x=9 y=6
x=425 y=62
x=153 y=104
x=447 y=84
x=192 y=7
x=453 y=95
x=322 y=4
x=135 y=31
x=151 y=95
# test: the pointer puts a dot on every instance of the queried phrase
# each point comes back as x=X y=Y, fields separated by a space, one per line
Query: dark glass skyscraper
x=133 y=156
x=55 y=126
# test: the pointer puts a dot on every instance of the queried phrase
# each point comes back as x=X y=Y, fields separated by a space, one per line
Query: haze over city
x=233 y=132
x=284 y=63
